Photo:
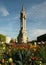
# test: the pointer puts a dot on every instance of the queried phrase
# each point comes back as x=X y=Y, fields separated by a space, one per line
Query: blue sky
x=10 y=17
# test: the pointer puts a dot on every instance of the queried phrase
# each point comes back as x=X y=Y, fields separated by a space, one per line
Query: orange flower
x=3 y=61
x=34 y=49
x=36 y=58
x=32 y=58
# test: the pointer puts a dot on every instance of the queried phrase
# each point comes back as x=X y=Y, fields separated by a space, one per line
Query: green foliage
x=43 y=53
x=11 y=41
x=2 y=38
x=24 y=57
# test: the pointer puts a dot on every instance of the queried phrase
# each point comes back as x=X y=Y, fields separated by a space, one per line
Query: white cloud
x=36 y=32
x=37 y=12
x=4 y=11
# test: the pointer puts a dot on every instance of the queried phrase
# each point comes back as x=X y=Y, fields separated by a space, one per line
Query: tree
x=2 y=38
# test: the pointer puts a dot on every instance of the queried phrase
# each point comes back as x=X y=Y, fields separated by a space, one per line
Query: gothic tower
x=22 y=37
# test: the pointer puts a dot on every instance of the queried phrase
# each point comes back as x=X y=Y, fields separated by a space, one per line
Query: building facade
x=41 y=38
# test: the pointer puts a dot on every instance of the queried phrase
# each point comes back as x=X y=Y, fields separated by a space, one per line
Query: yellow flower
x=10 y=60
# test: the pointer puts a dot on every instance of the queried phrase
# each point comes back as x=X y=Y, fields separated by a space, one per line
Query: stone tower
x=22 y=37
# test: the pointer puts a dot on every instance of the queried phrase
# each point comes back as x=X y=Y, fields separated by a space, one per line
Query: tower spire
x=22 y=8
